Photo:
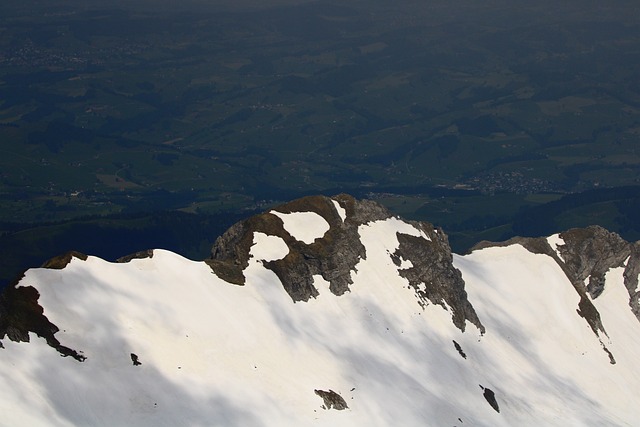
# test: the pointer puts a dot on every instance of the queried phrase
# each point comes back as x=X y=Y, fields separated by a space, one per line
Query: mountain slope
x=329 y=312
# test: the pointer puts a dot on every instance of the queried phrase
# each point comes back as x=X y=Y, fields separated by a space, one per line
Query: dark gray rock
x=230 y=253
x=332 y=400
x=631 y=273
x=333 y=256
x=135 y=360
x=61 y=261
x=136 y=255
x=540 y=245
x=432 y=274
x=459 y=349
x=20 y=314
x=589 y=253
x=490 y=397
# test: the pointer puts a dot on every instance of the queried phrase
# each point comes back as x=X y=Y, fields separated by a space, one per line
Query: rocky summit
x=329 y=311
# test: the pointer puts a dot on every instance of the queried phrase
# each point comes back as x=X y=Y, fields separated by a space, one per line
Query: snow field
x=555 y=241
x=303 y=226
x=548 y=366
x=217 y=354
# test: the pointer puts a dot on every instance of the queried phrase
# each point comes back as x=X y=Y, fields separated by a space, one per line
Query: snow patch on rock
x=555 y=241
x=303 y=226
x=268 y=248
x=341 y=211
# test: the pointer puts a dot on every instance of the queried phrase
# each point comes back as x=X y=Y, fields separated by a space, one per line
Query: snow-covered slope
x=503 y=336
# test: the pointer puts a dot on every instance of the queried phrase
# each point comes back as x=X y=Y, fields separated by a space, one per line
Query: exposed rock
x=335 y=255
x=459 y=350
x=631 y=273
x=332 y=256
x=230 y=252
x=136 y=255
x=61 y=261
x=612 y=359
x=135 y=359
x=540 y=245
x=20 y=314
x=588 y=253
x=432 y=274
x=362 y=211
x=536 y=245
x=490 y=396
x=332 y=400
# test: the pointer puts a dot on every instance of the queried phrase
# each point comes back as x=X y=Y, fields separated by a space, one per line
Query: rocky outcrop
x=432 y=274
x=585 y=256
x=21 y=314
x=424 y=260
x=332 y=256
x=588 y=253
x=490 y=396
x=332 y=400
x=230 y=253
x=61 y=261
x=631 y=273
x=335 y=255
x=136 y=255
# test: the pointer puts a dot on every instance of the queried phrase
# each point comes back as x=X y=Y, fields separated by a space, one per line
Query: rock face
x=589 y=253
x=432 y=274
x=490 y=396
x=335 y=255
x=61 y=261
x=332 y=400
x=631 y=273
x=585 y=256
x=20 y=314
x=136 y=255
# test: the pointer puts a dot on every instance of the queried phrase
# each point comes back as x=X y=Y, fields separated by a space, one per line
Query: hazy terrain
x=145 y=124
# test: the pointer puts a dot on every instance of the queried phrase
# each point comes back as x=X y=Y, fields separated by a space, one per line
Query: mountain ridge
x=372 y=304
